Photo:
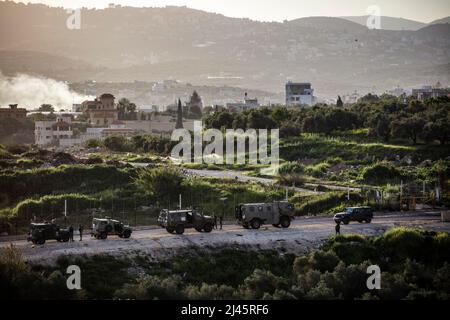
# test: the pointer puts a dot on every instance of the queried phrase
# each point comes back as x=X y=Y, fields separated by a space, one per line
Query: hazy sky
x=269 y=10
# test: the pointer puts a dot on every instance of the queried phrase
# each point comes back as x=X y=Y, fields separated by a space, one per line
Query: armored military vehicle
x=254 y=215
x=101 y=228
x=179 y=220
x=40 y=232
x=360 y=214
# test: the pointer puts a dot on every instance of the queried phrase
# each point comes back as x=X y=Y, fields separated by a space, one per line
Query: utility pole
x=179 y=201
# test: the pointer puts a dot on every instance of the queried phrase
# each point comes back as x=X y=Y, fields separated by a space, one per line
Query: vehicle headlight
x=243 y=216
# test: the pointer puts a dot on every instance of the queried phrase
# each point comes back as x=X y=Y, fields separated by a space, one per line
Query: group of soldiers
x=80 y=230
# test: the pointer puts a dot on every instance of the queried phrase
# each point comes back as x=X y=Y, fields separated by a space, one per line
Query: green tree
x=160 y=183
x=438 y=130
x=383 y=128
x=46 y=108
x=410 y=128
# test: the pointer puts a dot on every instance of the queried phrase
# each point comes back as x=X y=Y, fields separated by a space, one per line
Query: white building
x=51 y=132
x=428 y=92
x=247 y=104
x=299 y=93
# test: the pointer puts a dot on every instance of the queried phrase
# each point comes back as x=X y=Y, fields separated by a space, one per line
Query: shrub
x=380 y=173
x=152 y=287
x=325 y=202
x=88 y=178
x=160 y=182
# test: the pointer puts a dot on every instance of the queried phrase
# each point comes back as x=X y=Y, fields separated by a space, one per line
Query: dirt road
x=303 y=235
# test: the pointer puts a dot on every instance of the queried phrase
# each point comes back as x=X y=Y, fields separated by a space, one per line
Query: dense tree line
x=386 y=117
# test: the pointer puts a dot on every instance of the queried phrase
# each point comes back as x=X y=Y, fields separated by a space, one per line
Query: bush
x=117 y=143
x=51 y=205
x=160 y=182
x=87 y=178
x=152 y=287
x=324 y=203
x=93 y=143
x=379 y=174
x=19 y=281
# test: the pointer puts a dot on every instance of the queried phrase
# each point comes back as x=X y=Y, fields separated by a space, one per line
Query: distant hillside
x=439 y=21
x=327 y=24
x=48 y=65
x=152 y=44
x=434 y=31
x=390 y=23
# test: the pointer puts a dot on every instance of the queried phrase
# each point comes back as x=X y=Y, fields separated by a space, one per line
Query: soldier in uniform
x=71 y=234
x=80 y=229
x=221 y=221
x=338 y=228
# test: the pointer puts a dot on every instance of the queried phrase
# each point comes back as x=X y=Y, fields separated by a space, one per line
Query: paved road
x=303 y=235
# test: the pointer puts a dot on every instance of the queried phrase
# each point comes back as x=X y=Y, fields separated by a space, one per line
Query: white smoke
x=30 y=92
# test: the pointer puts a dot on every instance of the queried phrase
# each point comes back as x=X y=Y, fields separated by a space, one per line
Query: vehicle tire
x=108 y=228
x=276 y=225
x=285 y=222
x=40 y=241
x=65 y=239
x=255 y=224
x=126 y=234
x=103 y=235
x=179 y=229
x=368 y=220
x=170 y=229
x=346 y=221
x=246 y=226
x=198 y=229
x=208 y=228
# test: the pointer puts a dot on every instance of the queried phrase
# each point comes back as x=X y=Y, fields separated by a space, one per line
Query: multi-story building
x=52 y=132
x=299 y=93
x=428 y=92
x=13 y=113
x=102 y=111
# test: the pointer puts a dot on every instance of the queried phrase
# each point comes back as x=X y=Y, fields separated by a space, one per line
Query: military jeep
x=179 y=220
x=360 y=214
x=254 y=215
x=40 y=232
x=101 y=228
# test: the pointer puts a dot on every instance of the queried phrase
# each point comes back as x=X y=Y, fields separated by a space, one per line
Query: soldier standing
x=71 y=234
x=338 y=228
x=221 y=221
x=80 y=229
x=215 y=221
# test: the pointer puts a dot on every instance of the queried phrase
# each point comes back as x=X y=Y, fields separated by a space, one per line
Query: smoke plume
x=30 y=92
